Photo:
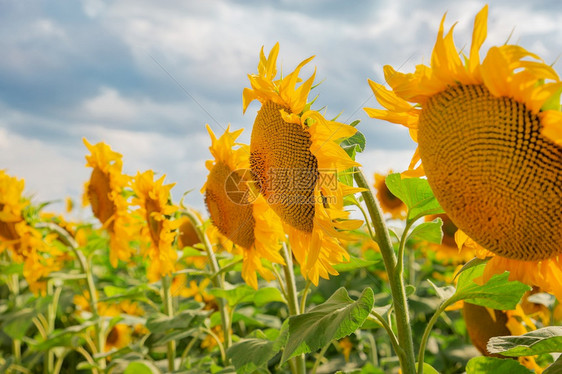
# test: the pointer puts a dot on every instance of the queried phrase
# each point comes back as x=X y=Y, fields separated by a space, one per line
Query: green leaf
x=545 y=340
x=428 y=231
x=497 y=293
x=416 y=194
x=161 y=323
x=354 y=144
x=444 y=293
x=242 y=293
x=17 y=323
x=141 y=367
x=410 y=290
x=69 y=337
x=354 y=264
x=472 y=263
x=482 y=364
x=555 y=367
x=553 y=102
x=428 y=369
x=339 y=316
x=268 y=295
x=248 y=355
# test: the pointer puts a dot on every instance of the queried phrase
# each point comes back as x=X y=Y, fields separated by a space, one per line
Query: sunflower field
x=301 y=263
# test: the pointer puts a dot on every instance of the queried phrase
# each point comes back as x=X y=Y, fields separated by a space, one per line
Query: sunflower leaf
x=497 y=293
x=141 y=367
x=354 y=144
x=555 y=367
x=545 y=340
x=268 y=295
x=416 y=194
x=250 y=354
x=240 y=294
x=428 y=231
x=354 y=264
x=339 y=316
x=484 y=364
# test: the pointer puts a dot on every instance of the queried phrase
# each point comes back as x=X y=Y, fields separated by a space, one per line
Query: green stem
x=374 y=351
x=86 y=268
x=393 y=340
x=16 y=343
x=51 y=317
x=60 y=360
x=292 y=301
x=304 y=295
x=217 y=281
x=427 y=332
x=319 y=358
x=407 y=360
x=169 y=311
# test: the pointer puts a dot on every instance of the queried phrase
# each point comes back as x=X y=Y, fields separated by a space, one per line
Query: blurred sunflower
x=236 y=209
x=295 y=158
x=483 y=323
x=486 y=140
x=155 y=207
x=389 y=203
x=118 y=337
x=104 y=192
x=26 y=245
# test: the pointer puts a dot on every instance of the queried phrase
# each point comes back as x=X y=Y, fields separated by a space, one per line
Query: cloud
x=145 y=77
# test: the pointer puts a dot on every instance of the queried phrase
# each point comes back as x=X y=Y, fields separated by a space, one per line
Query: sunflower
x=295 y=157
x=154 y=206
x=389 y=203
x=485 y=133
x=237 y=211
x=25 y=244
x=104 y=192
x=118 y=337
x=483 y=323
x=448 y=252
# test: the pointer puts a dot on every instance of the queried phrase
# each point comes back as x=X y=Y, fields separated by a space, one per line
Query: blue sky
x=145 y=76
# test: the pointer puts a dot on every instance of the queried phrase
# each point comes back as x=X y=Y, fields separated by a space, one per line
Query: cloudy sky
x=145 y=76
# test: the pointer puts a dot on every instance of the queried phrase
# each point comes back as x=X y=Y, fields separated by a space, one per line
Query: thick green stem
x=169 y=311
x=217 y=281
x=407 y=360
x=293 y=302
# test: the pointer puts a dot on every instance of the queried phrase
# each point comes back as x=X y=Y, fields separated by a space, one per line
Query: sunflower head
x=485 y=141
x=155 y=207
x=104 y=192
x=105 y=181
x=118 y=337
x=237 y=210
x=295 y=157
